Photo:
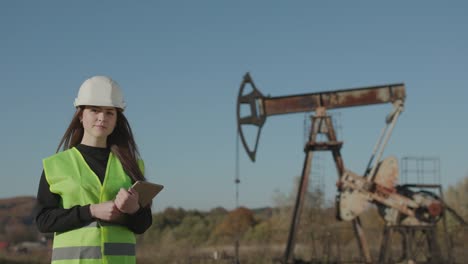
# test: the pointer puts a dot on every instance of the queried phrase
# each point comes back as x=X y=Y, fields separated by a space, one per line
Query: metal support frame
x=321 y=124
x=419 y=242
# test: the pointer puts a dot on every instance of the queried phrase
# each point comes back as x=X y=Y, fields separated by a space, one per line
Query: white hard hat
x=100 y=91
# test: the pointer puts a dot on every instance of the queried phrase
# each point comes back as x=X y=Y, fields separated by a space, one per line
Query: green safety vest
x=69 y=176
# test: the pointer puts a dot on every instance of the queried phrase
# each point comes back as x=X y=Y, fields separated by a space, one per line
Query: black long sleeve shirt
x=51 y=217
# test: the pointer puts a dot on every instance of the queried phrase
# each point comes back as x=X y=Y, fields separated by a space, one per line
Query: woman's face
x=98 y=121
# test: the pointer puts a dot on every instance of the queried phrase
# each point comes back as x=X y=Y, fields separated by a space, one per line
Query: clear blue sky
x=180 y=64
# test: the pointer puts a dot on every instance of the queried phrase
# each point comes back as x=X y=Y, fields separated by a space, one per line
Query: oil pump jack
x=378 y=184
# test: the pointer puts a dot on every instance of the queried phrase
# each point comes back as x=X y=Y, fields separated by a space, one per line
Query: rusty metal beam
x=334 y=99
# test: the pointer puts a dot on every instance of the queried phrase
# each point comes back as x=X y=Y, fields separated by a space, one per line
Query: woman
x=84 y=195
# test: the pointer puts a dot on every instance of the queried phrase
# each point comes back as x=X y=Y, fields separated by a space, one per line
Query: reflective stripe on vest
x=110 y=249
x=69 y=176
x=76 y=253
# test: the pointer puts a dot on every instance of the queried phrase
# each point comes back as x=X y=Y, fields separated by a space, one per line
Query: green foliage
x=236 y=223
x=173 y=217
x=261 y=232
x=193 y=228
x=457 y=197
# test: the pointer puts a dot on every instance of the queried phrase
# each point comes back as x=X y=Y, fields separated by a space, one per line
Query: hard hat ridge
x=100 y=91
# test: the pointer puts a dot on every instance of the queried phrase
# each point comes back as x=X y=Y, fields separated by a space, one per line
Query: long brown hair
x=121 y=142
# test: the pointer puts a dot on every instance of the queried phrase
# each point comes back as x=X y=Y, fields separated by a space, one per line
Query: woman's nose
x=100 y=116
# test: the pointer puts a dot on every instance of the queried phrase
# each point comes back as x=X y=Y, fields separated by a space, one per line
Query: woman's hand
x=106 y=211
x=127 y=201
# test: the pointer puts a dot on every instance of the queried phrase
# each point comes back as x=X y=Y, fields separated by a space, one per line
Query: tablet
x=146 y=191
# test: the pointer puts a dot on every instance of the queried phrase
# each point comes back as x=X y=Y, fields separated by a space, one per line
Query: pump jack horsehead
x=377 y=185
